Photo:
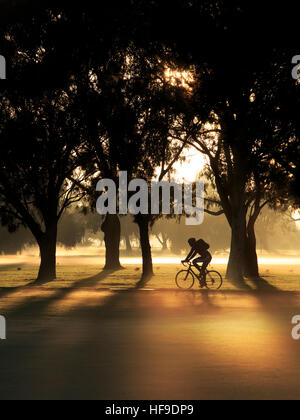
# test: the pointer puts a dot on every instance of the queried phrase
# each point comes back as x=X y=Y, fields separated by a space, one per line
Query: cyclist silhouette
x=201 y=248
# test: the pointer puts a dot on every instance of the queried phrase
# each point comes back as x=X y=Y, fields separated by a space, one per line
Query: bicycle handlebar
x=186 y=263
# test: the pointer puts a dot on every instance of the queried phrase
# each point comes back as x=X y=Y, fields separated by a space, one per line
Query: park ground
x=92 y=335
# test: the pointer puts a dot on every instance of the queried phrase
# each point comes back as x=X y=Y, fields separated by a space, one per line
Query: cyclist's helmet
x=192 y=241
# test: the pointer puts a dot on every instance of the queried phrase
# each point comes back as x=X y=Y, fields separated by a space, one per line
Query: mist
x=80 y=238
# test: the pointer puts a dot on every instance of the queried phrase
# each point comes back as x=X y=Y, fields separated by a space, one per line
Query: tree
x=237 y=138
x=283 y=106
x=71 y=229
x=48 y=46
x=228 y=120
x=37 y=141
x=12 y=243
x=129 y=130
x=129 y=230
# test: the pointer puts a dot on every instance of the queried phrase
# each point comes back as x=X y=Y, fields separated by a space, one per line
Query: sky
x=188 y=170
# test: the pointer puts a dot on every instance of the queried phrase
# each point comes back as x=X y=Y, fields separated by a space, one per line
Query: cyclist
x=201 y=248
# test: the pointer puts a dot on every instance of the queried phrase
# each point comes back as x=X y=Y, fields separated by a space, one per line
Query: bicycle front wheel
x=185 y=280
x=214 y=280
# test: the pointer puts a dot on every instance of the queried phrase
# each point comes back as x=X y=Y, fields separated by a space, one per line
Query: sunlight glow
x=189 y=169
x=78 y=298
x=296 y=217
x=93 y=256
x=180 y=78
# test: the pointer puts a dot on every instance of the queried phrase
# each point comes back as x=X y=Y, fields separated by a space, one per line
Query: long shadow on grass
x=261 y=285
x=128 y=346
x=83 y=354
x=106 y=348
x=47 y=296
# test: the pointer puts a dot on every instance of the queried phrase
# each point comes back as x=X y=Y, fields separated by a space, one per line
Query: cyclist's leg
x=206 y=261
x=196 y=263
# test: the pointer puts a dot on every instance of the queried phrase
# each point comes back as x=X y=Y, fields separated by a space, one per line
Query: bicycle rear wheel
x=185 y=279
x=214 y=280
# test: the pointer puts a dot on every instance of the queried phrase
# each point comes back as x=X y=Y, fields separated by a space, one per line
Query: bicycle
x=185 y=279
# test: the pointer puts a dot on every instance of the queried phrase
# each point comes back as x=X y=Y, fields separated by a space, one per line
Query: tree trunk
x=112 y=238
x=164 y=242
x=235 y=269
x=251 y=268
x=143 y=223
x=128 y=244
x=47 y=244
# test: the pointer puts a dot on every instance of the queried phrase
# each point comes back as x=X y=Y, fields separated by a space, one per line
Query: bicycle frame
x=190 y=268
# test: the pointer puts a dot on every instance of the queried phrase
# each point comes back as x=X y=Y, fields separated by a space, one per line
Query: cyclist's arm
x=191 y=255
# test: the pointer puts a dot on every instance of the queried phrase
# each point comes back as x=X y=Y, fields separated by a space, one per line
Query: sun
x=193 y=163
x=189 y=169
x=183 y=78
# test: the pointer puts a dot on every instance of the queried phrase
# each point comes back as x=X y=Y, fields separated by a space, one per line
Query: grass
x=80 y=338
x=285 y=278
